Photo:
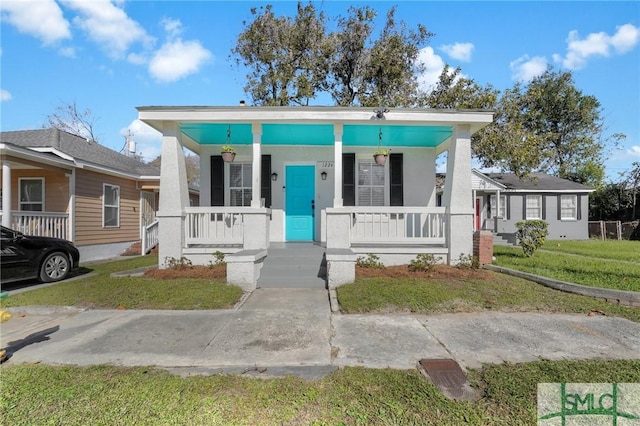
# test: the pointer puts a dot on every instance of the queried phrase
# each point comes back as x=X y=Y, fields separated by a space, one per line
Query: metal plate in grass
x=448 y=377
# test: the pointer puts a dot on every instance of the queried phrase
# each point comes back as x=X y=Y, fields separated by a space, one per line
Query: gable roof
x=537 y=182
x=79 y=149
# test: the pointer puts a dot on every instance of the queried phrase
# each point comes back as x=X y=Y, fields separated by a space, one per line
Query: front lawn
x=589 y=271
x=101 y=291
x=464 y=291
x=608 y=249
x=106 y=395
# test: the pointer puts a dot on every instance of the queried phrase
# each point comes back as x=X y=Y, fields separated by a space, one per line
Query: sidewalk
x=292 y=331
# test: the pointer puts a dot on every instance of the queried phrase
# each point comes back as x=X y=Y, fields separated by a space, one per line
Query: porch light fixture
x=274 y=176
x=323 y=175
x=379 y=114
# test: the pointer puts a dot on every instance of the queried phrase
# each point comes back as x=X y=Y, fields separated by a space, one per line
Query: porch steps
x=504 y=239
x=293 y=265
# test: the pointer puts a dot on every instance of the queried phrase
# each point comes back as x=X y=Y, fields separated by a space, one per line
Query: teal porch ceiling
x=318 y=134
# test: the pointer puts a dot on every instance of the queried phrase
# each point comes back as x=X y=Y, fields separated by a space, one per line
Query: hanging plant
x=381 y=154
x=228 y=152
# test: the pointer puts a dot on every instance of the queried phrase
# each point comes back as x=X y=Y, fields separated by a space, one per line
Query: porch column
x=71 y=208
x=174 y=195
x=337 y=161
x=457 y=193
x=6 y=194
x=256 y=165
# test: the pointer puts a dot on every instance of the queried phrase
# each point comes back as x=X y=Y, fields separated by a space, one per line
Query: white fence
x=213 y=225
x=398 y=225
x=41 y=224
x=150 y=237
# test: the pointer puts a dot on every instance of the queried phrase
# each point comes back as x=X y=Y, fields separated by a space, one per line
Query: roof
x=80 y=149
x=537 y=182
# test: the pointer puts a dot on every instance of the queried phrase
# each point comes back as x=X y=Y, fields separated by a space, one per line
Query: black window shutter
x=217 y=180
x=349 y=179
x=396 y=195
x=559 y=197
x=579 y=207
x=265 y=191
x=544 y=207
x=507 y=200
x=524 y=207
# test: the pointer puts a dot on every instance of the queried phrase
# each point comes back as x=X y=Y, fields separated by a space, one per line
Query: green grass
x=608 y=249
x=40 y=394
x=101 y=291
x=500 y=293
x=589 y=271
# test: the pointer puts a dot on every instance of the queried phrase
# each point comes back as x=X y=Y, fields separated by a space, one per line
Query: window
x=568 y=207
x=534 y=207
x=240 y=184
x=370 y=183
x=494 y=206
x=31 y=194
x=110 y=205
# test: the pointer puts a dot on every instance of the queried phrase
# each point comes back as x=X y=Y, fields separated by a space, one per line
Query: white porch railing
x=214 y=225
x=42 y=224
x=398 y=225
x=150 y=237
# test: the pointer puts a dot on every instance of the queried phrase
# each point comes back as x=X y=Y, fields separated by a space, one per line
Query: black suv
x=25 y=256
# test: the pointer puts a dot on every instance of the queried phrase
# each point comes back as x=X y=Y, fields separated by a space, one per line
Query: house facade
x=500 y=200
x=61 y=185
x=308 y=174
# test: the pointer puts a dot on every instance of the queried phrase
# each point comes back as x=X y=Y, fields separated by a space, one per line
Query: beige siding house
x=60 y=185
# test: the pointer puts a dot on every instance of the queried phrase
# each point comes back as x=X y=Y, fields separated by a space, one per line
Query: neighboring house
x=308 y=174
x=501 y=200
x=61 y=185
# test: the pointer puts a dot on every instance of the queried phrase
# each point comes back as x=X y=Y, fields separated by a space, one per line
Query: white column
x=174 y=195
x=256 y=166
x=337 y=169
x=458 y=192
x=71 y=208
x=6 y=193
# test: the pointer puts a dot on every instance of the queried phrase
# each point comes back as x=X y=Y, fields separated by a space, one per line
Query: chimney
x=242 y=103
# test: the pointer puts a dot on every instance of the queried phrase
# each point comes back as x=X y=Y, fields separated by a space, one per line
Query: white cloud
x=173 y=27
x=177 y=59
x=526 y=69
x=69 y=52
x=459 y=51
x=41 y=19
x=5 y=96
x=148 y=140
x=108 y=25
x=598 y=44
x=433 y=68
x=634 y=151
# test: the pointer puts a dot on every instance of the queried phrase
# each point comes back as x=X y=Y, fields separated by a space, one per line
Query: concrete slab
x=381 y=341
x=293 y=265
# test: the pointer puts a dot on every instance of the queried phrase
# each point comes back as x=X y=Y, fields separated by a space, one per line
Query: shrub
x=219 y=258
x=468 y=262
x=372 y=261
x=423 y=262
x=179 y=264
x=531 y=235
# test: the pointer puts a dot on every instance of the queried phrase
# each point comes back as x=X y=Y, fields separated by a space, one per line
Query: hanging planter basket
x=381 y=159
x=228 y=157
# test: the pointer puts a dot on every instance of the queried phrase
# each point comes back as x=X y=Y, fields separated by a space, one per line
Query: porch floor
x=293 y=265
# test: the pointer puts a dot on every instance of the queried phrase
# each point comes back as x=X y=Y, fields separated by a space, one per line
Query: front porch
x=307 y=174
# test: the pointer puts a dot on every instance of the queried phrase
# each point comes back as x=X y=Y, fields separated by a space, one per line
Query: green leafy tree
x=548 y=126
x=287 y=58
x=456 y=92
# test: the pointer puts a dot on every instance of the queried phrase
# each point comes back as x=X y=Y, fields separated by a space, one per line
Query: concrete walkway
x=293 y=265
x=292 y=331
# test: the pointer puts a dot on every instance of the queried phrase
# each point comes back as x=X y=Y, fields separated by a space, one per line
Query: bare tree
x=68 y=117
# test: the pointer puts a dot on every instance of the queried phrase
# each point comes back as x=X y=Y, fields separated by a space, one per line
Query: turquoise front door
x=300 y=199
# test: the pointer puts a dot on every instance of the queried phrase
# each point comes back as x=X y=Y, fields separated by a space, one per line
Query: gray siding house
x=500 y=200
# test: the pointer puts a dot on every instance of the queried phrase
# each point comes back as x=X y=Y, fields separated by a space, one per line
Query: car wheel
x=54 y=268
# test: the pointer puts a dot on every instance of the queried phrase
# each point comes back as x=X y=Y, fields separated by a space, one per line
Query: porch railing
x=150 y=237
x=42 y=224
x=398 y=225
x=219 y=225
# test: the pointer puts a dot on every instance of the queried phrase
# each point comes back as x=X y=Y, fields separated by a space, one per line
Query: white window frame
x=573 y=208
x=503 y=205
x=538 y=207
x=105 y=205
x=244 y=186
x=384 y=186
x=21 y=203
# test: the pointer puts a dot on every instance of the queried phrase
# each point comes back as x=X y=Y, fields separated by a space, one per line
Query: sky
x=110 y=56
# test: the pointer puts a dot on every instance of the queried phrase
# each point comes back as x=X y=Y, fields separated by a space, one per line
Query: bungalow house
x=501 y=200
x=61 y=185
x=309 y=174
